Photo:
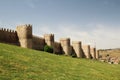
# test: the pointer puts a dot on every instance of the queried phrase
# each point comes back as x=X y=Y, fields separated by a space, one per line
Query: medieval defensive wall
x=23 y=37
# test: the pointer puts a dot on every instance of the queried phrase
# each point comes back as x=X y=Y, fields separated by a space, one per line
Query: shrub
x=48 y=49
x=73 y=55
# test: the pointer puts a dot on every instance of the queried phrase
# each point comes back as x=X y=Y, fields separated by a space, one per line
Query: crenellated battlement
x=23 y=37
x=7 y=30
x=24 y=33
x=8 y=36
x=25 y=26
x=49 y=39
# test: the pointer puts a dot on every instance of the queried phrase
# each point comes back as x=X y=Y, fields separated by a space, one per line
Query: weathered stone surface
x=97 y=54
x=57 y=48
x=86 y=51
x=49 y=39
x=38 y=43
x=65 y=43
x=23 y=37
x=24 y=33
x=93 y=52
x=8 y=36
x=77 y=48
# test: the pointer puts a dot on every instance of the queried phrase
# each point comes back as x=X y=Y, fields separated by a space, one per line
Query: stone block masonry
x=38 y=43
x=65 y=43
x=23 y=37
x=9 y=36
x=93 y=52
x=49 y=39
x=77 y=48
x=97 y=54
x=24 y=33
x=86 y=51
x=57 y=48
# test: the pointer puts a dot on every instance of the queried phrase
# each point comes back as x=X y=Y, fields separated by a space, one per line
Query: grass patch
x=25 y=64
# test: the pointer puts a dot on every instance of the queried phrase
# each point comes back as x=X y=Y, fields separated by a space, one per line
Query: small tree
x=48 y=49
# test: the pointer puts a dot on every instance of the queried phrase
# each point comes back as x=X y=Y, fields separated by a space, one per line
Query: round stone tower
x=24 y=33
x=86 y=51
x=93 y=52
x=77 y=48
x=65 y=44
x=49 y=39
x=97 y=54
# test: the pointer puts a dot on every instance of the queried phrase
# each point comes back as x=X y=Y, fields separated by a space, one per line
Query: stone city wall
x=86 y=51
x=8 y=36
x=57 y=48
x=65 y=43
x=23 y=37
x=93 y=52
x=38 y=43
x=77 y=48
x=24 y=33
x=49 y=39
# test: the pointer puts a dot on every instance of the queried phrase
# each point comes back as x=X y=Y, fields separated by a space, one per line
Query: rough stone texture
x=24 y=38
x=49 y=39
x=65 y=43
x=97 y=54
x=86 y=51
x=57 y=48
x=93 y=52
x=38 y=43
x=24 y=33
x=77 y=48
x=9 y=36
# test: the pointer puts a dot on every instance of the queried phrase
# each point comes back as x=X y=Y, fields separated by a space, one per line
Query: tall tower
x=97 y=54
x=86 y=50
x=77 y=48
x=65 y=44
x=49 y=39
x=93 y=52
x=24 y=33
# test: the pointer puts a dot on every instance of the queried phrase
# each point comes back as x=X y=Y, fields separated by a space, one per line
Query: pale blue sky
x=90 y=21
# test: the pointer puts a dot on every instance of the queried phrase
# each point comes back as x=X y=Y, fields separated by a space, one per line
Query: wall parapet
x=49 y=39
x=23 y=37
x=66 y=48
x=86 y=51
x=7 y=30
x=77 y=48
x=8 y=36
x=38 y=43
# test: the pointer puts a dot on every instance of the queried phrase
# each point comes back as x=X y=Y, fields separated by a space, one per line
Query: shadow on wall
x=9 y=36
x=23 y=37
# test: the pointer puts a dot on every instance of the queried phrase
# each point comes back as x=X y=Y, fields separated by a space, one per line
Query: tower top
x=64 y=39
x=24 y=26
x=48 y=34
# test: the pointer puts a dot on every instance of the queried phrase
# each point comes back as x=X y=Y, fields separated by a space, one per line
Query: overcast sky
x=94 y=22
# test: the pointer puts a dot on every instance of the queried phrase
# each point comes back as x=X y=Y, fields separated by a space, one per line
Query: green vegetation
x=25 y=64
x=48 y=49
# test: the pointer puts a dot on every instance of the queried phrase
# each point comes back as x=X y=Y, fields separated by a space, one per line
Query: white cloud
x=101 y=36
x=107 y=37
